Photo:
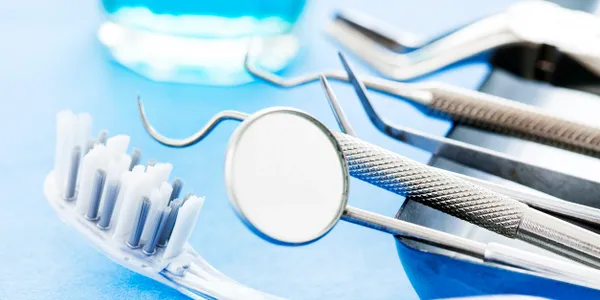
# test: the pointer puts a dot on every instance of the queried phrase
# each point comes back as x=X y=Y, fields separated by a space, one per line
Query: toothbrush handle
x=513 y=118
x=466 y=201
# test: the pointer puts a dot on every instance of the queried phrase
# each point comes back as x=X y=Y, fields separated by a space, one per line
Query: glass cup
x=202 y=42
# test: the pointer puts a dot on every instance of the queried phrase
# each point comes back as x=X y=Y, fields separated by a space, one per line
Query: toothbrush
x=130 y=212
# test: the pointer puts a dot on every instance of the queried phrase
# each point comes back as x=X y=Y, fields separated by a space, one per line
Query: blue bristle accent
x=90 y=145
x=97 y=188
x=177 y=186
x=187 y=196
x=112 y=193
x=102 y=137
x=139 y=222
x=166 y=234
x=157 y=229
x=151 y=162
x=70 y=192
x=136 y=156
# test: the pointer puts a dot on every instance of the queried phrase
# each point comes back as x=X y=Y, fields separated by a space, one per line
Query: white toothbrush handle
x=218 y=287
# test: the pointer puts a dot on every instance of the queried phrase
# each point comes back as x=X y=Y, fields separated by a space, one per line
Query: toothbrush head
x=130 y=212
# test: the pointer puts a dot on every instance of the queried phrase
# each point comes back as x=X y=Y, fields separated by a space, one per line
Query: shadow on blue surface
x=435 y=276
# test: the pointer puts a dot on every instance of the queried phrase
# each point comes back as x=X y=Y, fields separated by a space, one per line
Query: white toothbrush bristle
x=125 y=182
x=84 y=129
x=126 y=206
x=65 y=126
x=155 y=209
x=88 y=168
x=165 y=189
x=99 y=159
x=133 y=195
x=139 y=169
x=161 y=172
x=118 y=144
x=116 y=169
x=186 y=220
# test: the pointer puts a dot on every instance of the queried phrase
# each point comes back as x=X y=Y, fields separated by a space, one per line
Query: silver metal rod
x=415 y=232
x=560 y=237
x=491 y=253
x=338 y=112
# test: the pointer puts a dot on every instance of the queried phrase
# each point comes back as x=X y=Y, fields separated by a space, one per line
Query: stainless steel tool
x=575 y=189
x=477 y=110
x=288 y=178
x=529 y=23
x=390 y=171
x=552 y=182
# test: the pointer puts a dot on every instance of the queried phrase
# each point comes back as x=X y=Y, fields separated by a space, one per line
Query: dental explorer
x=487 y=112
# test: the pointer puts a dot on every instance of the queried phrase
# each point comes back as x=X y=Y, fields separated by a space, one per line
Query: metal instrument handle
x=430 y=186
x=466 y=201
x=514 y=118
x=498 y=253
x=560 y=237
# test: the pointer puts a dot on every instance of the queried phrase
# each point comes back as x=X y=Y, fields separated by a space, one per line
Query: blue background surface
x=50 y=60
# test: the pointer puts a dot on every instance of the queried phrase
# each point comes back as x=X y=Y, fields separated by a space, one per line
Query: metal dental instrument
x=419 y=182
x=476 y=109
x=276 y=198
x=561 y=185
x=530 y=23
x=564 y=186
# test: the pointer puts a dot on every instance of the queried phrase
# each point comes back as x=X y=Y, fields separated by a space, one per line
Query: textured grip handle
x=430 y=186
x=516 y=119
x=561 y=237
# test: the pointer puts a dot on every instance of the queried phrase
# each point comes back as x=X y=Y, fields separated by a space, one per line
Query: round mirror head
x=286 y=176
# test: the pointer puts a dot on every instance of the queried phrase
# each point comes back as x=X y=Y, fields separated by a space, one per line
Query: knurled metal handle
x=431 y=186
x=517 y=119
x=560 y=237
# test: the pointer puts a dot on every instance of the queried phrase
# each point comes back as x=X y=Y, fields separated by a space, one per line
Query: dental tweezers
x=531 y=23
x=561 y=185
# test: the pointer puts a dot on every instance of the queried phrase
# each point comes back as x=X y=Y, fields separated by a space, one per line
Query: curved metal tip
x=361 y=92
x=336 y=108
x=196 y=137
x=281 y=81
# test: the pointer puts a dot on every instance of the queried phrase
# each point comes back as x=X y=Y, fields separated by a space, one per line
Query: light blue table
x=50 y=60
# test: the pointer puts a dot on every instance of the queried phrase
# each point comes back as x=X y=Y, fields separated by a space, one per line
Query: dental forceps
x=529 y=23
x=555 y=183
x=400 y=175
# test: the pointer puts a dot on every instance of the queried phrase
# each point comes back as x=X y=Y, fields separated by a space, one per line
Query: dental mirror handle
x=510 y=117
x=466 y=201
x=491 y=252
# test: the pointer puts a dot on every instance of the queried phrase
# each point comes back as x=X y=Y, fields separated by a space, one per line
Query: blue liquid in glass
x=199 y=41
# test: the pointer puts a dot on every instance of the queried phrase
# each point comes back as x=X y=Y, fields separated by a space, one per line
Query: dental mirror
x=285 y=176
